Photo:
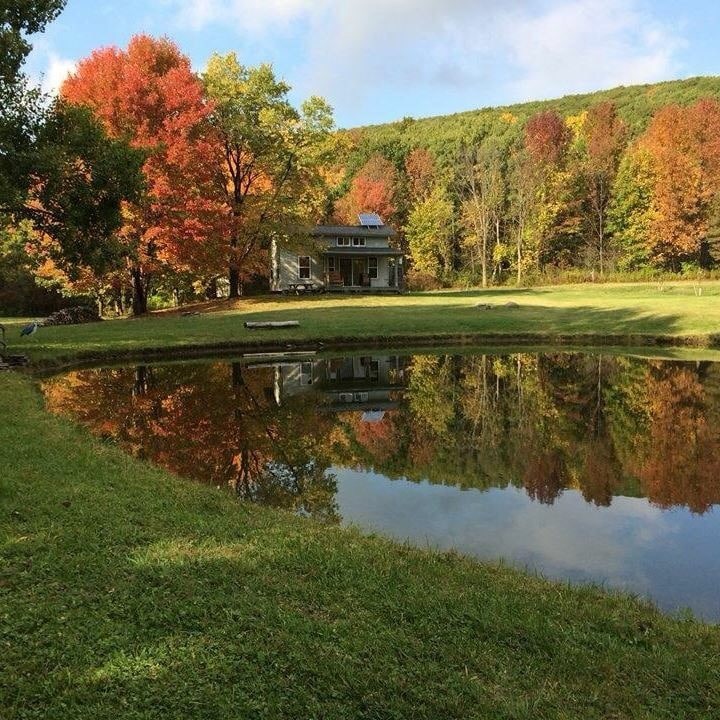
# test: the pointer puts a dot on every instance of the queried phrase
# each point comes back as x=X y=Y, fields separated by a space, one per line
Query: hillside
x=444 y=133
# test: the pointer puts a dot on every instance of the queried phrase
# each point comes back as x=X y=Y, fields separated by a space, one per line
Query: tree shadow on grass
x=447 y=319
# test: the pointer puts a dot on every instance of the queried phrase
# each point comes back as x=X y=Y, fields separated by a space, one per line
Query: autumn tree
x=684 y=144
x=373 y=189
x=149 y=95
x=62 y=180
x=605 y=136
x=270 y=160
x=482 y=187
x=421 y=172
x=537 y=187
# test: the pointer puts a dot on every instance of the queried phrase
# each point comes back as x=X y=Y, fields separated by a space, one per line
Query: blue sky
x=381 y=60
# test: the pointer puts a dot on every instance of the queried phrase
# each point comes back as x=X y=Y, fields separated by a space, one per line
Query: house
x=346 y=258
x=370 y=384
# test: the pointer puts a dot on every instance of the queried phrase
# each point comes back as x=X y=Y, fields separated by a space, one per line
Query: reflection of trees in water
x=598 y=424
x=211 y=422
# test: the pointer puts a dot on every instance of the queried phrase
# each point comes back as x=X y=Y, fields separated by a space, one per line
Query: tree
x=373 y=189
x=684 y=144
x=21 y=107
x=149 y=95
x=546 y=141
x=429 y=231
x=19 y=19
x=421 y=171
x=483 y=190
x=629 y=211
x=270 y=159
x=80 y=181
x=605 y=135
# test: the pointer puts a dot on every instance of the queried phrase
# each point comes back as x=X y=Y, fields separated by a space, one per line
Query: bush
x=73 y=316
x=416 y=280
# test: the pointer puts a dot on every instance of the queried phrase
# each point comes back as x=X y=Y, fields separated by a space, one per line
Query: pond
x=581 y=466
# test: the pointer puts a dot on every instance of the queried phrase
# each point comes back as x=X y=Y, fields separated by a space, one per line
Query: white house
x=347 y=258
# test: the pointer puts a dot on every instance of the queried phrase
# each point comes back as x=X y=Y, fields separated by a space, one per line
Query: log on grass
x=271 y=324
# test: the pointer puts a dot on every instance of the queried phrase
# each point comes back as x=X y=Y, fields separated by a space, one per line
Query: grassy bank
x=618 y=314
x=126 y=592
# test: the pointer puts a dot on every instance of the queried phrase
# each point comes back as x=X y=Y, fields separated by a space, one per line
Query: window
x=304 y=267
x=373 y=268
x=359 y=242
x=331 y=264
x=343 y=242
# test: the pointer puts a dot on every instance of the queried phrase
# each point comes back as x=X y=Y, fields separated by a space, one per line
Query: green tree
x=429 y=234
x=630 y=209
x=269 y=171
x=21 y=107
x=79 y=212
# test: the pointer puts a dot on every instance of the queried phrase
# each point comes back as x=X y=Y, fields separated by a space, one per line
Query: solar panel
x=370 y=220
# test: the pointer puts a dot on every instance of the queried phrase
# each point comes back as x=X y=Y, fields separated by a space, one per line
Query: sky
x=382 y=60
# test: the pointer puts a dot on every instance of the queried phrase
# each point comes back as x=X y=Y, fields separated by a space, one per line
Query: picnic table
x=302 y=286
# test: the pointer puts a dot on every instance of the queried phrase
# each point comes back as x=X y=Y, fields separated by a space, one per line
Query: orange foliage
x=149 y=95
x=680 y=462
x=420 y=169
x=372 y=190
x=684 y=144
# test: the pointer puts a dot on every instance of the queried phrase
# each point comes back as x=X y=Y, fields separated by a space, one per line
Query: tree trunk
x=484 y=257
x=234 y=279
x=139 y=291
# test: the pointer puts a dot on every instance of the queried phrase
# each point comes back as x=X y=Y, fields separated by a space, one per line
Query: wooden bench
x=335 y=279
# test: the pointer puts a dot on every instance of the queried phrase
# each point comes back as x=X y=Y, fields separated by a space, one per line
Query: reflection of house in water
x=370 y=384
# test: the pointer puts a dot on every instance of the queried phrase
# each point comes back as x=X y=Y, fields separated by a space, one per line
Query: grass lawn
x=585 y=313
x=126 y=592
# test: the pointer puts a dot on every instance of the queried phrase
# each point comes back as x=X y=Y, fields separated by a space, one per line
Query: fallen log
x=252 y=325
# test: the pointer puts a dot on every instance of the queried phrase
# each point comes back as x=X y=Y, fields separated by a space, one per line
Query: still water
x=583 y=467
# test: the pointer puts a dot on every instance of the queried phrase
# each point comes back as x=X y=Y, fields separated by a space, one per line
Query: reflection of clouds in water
x=630 y=545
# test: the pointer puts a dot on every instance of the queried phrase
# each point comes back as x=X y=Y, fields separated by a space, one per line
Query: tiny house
x=346 y=258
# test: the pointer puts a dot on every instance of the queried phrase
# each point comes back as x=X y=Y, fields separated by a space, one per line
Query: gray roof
x=362 y=251
x=352 y=231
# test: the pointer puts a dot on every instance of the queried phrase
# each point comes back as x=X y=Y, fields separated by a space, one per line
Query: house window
x=373 y=268
x=343 y=242
x=304 y=267
x=331 y=264
x=358 y=242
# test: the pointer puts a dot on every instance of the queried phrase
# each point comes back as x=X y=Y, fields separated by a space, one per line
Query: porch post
x=395 y=271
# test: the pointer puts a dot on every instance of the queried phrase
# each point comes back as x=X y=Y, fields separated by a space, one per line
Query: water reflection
x=366 y=438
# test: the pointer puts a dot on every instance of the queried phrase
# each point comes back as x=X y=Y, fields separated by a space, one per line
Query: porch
x=358 y=270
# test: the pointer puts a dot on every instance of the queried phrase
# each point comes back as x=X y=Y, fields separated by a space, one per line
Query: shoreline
x=420 y=341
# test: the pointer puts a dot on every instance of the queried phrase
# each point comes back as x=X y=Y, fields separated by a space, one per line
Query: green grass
x=128 y=593
x=584 y=313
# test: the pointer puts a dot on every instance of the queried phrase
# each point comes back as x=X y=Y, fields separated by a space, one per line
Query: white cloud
x=583 y=45
x=58 y=69
x=523 y=48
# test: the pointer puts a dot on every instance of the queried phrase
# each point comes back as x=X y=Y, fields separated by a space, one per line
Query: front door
x=359 y=270
x=345 y=270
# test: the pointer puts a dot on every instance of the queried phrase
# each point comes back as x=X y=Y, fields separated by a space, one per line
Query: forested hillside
x=618 y=181
x=443 y=135
x=146 y=183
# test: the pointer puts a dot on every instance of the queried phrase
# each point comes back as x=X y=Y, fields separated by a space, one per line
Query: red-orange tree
x=149 y=95
x=373 y=189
